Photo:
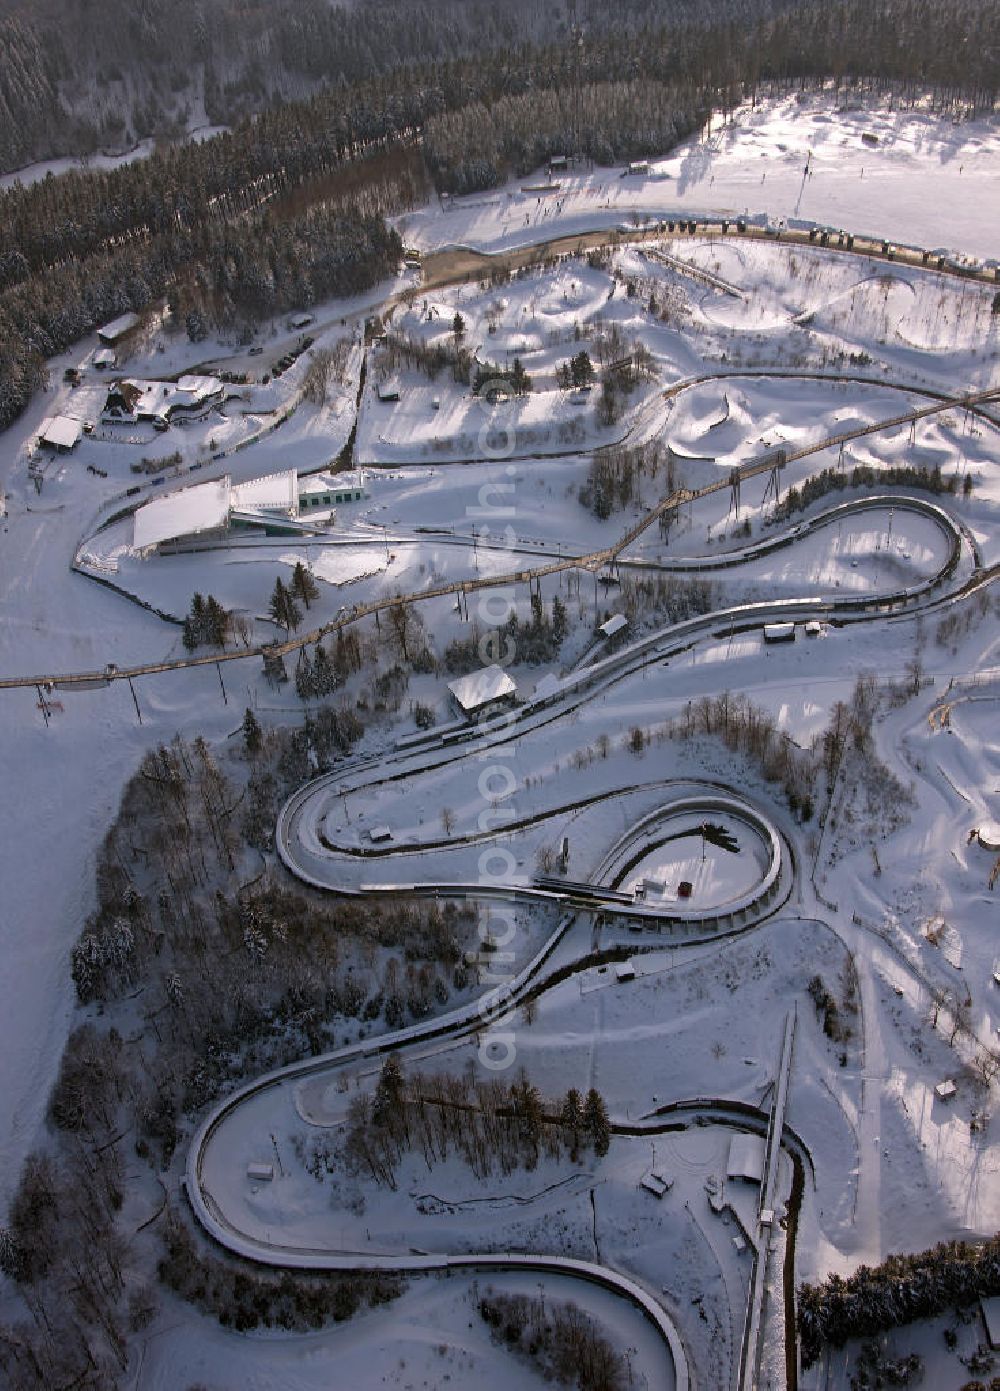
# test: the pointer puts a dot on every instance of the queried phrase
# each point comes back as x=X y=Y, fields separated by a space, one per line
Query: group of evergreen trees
x=287 y=210
x=206 y=622
x=284 y=606
x=74 y=79
x=830 y=480
x=903 y=1288
x=578 y=371
x=496 y=379
x=536 y=640
x=315 y=677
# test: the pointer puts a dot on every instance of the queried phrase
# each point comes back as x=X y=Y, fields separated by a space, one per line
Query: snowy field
x=890 y=889
x=929 y=182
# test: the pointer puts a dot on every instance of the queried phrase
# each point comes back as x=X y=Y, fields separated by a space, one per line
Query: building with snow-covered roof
x=60 y=432
x=988 y=835
x=746 y=1158
x=613 y=628
x=325 y=490
x=269 y=504
x=117 y=329
x=990 y=1310
x=104 y=359
x=198 y=511
x=275 y=493
x=483 y=692
x=131 y=400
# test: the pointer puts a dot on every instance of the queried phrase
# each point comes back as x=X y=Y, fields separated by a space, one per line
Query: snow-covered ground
x=895 y=1167
x=929 y=182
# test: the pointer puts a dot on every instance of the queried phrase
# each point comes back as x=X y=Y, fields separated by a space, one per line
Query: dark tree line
x=242 y=1296
x=285 y=210
x=490 y=1124
x=900 y=1290
x=76 y=78
x=831 y=480
x=218 y=273
x=566 y=1345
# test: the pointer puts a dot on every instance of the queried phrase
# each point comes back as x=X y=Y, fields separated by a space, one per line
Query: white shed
x=483 y=691
x=118 y=329
x=60 y=432
x=613 y=627
x=746 y=1158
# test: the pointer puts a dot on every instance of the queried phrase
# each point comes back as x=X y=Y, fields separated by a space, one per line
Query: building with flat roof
x=990 y=1310
x=325 y=490
x=746 y=1158
x=483 y=692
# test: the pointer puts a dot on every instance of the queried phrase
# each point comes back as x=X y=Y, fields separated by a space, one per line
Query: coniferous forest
x=287 y=207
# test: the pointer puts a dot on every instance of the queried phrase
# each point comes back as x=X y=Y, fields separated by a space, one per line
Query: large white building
x=277 y=503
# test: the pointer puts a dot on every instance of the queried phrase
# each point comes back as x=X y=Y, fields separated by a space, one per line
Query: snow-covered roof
x=746 y=1158
x=201 y=508
x=549 y=685
x=325 y=482
x=61 y=431
x=479 y=688
x=991 y=1318
x=614 y=625
x=274 y=492
x=118 y=328
x=105 y=357
x=153 y=398
x=989 y=835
